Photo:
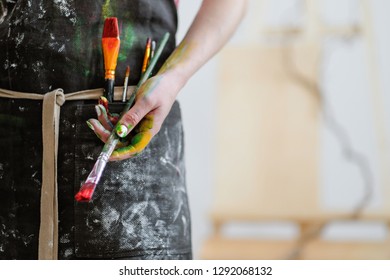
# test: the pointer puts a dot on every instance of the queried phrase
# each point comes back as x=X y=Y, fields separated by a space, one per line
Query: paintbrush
x=110 y=44
x=124 y=94
x=146 y=55
x=87 y=189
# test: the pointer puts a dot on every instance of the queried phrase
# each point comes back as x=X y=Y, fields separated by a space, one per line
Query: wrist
x=175 y=79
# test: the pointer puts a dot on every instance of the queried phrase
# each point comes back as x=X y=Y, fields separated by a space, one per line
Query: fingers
x=103 y=117
x=101 y=132
x=111 y=116
x=132 y=118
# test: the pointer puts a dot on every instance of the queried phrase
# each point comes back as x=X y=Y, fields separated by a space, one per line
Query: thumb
x=130 y=119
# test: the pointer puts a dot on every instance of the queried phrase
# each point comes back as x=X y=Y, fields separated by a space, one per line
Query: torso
x=48 y=44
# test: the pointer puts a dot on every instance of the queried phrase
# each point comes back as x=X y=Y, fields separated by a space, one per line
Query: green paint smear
x=127 y=41
x=122 y=57
x=137 y=138
x=78 y=39
x=107 y=10
x=149 y=88
x=87 y=72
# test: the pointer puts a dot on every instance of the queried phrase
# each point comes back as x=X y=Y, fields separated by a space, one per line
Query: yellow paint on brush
x=147 y=55
x=110 y=52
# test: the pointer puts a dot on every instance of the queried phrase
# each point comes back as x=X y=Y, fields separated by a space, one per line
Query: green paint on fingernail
x=90 y=125
x=121 y=130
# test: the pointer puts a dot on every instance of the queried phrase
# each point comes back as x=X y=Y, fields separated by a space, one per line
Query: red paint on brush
x=111 y=29
x=85 y=193
x=110 y=44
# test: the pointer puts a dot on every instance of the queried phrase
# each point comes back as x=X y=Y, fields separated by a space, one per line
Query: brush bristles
x=85 y=193
x=111 y=29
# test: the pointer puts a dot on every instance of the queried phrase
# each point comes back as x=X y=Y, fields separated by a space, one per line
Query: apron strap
x=48 y=231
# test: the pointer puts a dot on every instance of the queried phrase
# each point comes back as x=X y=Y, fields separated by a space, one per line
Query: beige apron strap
x=5 y=93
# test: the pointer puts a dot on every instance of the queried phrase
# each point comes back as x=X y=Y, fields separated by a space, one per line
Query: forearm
x=214 y=24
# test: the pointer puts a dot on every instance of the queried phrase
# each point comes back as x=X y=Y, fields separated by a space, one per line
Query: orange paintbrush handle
x=110 y=53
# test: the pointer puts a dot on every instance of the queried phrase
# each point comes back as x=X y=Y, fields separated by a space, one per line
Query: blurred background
x=287 y=138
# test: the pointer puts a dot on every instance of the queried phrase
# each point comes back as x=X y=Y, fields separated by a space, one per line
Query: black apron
x=140 y=208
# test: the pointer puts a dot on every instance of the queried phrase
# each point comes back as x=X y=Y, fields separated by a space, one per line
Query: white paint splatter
x=36 y=66
x=176 y=215
x=6 y=64
x=89 y=156
x=68 y=252
x=65 y=238
x=166 y=161
x=66 y=8
x=110 y=218
x=62 y=48
x=42 y=11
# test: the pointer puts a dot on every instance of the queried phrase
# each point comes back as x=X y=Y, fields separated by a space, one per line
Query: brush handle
x=108 y=90
x=147 y=73
x=124 y=93
x=88 y=188
x=103 y=158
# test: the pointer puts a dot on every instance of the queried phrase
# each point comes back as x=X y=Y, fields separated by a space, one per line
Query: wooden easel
x=268 y=154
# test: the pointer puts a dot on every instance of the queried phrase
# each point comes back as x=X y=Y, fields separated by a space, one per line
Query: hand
x=142 y=122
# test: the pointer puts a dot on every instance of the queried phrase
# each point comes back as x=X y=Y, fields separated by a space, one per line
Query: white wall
x=197 y=102
x=346 y=86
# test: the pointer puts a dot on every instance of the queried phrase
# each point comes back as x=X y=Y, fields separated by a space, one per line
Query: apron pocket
x=140 y=205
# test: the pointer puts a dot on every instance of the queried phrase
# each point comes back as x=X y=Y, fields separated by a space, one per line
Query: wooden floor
x=224 y=249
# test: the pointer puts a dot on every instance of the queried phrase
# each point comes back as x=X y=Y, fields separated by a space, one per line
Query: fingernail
x=98 y=110
x=90 y=126
x=121 y=130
